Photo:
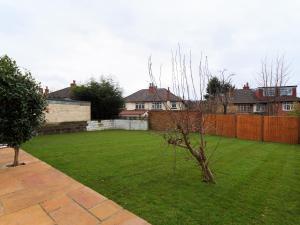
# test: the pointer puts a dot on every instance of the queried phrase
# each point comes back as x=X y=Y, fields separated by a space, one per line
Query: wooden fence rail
x=282 y=129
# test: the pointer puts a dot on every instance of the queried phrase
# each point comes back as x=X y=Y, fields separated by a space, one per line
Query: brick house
x=264 y=100
x=139 y=103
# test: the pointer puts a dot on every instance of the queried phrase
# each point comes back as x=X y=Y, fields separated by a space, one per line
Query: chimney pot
x=246 y=86
x=73 y=84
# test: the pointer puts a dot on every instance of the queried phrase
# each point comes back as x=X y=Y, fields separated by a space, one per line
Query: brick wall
x=65 y=127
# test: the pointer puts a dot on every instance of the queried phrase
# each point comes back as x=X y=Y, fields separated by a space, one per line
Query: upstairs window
x=173 y=105
x=287 y=106
x=286 y=91
x=156 y=105
x=139 y=105
x=269 y=91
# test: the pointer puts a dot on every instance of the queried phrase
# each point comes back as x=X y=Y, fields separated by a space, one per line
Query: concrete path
x=38 y=194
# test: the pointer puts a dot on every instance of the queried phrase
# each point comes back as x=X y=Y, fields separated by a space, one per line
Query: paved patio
x=38 y=194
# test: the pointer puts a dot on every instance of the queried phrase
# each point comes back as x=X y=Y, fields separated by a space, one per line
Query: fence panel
x=249 y=127
x=281 y=129
x=210 y=124
x=226 y=125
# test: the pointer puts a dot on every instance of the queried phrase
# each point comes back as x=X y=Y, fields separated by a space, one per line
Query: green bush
x=22 y=105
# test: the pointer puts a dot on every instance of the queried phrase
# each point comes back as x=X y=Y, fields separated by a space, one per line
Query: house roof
x=279 y=99
x=247 y=96
x=61 y=94
x=147 y=95
x=244 y=96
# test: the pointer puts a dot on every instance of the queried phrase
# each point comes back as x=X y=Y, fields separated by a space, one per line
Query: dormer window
x=286 y=91
x=269 y=91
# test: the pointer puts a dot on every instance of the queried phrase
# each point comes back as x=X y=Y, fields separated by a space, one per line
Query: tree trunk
x=207 y=175
x=225 y=109
x=16 y=158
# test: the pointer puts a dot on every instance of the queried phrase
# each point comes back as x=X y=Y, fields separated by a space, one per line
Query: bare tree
x=187 y=121
x=272 y=76
x=226 y=89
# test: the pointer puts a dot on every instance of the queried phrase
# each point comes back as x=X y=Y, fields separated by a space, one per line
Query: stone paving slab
x=38 y=194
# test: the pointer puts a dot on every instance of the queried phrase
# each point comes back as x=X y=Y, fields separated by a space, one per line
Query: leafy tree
x=213 y=87
x=219 y=89
x=21 y=106
x=105 y=97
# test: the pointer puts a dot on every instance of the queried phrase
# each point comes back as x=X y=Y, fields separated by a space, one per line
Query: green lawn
x=257 y=183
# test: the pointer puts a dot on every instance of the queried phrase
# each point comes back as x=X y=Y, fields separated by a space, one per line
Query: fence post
x=298 y=130
x=262 y=127
x=236 y=120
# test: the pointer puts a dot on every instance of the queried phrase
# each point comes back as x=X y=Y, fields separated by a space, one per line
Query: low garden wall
x=284 y=129
x=117 y=124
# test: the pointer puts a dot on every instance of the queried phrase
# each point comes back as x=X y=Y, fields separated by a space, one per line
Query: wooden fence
x=282 y=129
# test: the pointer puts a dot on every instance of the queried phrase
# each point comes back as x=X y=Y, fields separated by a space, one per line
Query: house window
x=287 y=106
x=139 y=105
x=244 y=108
x=173 y=105
x=269 y=91
x=156 y=105
x=260 y=107
x=286 y=91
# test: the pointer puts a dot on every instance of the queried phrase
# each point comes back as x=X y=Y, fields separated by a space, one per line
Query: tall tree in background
x=22 y=106
x=105 y=97
x=219 y=89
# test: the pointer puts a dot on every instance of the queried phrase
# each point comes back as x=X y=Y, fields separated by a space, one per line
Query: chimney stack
x=46 y=91
x=168 y=94
x=73 y=84
x=246 y=86
x=151 y=88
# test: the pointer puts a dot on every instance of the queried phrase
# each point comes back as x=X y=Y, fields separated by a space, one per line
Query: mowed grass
x=257 y=183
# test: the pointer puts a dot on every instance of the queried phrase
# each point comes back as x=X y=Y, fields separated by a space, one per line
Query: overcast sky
x=60 y=41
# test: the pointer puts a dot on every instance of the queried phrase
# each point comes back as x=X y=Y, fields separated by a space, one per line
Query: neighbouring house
x=264 y=100
x=64 y=114
x=62 y=108
x=65 y=93
x=139 y=103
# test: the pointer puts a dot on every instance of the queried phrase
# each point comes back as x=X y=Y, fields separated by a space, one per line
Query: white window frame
x=287 y=106
x=173 y=105
x=244 y=108
x=270 y=91
x=140 y=105
x=261 y=107
x=286 y=91
x=156 y=105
